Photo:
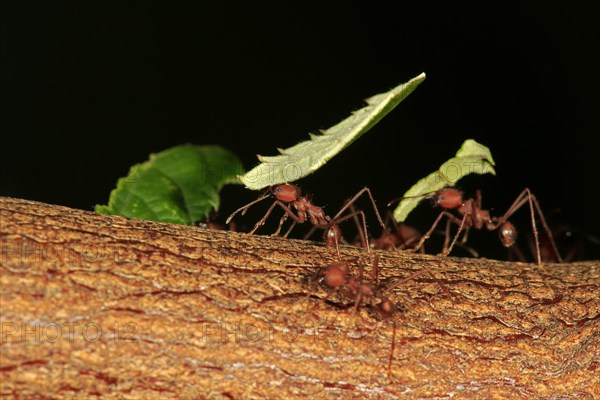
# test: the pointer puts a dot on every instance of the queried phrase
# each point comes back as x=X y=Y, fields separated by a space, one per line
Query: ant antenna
x=398 y=199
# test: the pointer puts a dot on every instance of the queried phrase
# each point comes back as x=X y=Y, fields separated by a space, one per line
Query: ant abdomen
x=508 y=234
x=333 y=236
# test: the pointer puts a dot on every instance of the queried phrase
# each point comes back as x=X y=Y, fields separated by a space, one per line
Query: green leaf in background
x=471 y=158
x=180 y=185
x=306 y=157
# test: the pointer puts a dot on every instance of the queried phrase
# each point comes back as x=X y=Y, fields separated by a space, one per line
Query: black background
x=94 y=87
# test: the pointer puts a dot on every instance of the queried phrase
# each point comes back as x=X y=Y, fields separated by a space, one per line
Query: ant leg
x=247 y=206
x=353 y=199
x=392 y=348
x=533 y=199
x=263 y=219
x=360 y=299
x=465 y=237
x=375 y=270
x=430 y=231
x=460 y=228
x=310 y=233
x=364 y=241
x=446 y=235
x=281 y=222
x=527 y=197
x=363 y=233
x=289 y=230
x=515 y=253
x=270 y=210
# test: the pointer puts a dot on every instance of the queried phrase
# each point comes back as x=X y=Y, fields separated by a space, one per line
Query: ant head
x=386 y=308
x=286 y=192
x=508 y=234
x=333 y=236
x=408 y=234
x=449 y=198
x=336 y=274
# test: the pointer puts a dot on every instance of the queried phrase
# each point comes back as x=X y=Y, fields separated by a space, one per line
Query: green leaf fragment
x=180 y=185
x=471 y=158
x=306 y=157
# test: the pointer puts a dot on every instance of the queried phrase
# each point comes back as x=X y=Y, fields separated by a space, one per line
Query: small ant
x=405 y=237
x=337 y=276
x=400 y=237
x=288 y=196
x=474 y=216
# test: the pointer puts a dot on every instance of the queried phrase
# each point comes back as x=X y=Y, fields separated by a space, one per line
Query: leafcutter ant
x=339 y=278
x=474 y=216
x=288 y=196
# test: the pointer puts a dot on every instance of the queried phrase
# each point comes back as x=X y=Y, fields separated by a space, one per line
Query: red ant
x=405 y=237
x=337 y=276
x=288 y=195
x=473 y=216
x=400 y=237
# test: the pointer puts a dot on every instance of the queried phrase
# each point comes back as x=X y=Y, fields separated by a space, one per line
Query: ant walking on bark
x=474 y=216
x=288 y=196
x=338 y=277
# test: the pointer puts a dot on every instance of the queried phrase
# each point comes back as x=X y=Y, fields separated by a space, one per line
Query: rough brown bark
x=101 y=305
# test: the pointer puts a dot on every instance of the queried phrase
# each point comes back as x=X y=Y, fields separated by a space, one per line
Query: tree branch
x=101 y=305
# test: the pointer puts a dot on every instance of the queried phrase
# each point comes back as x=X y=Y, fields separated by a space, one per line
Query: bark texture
x=108 y=306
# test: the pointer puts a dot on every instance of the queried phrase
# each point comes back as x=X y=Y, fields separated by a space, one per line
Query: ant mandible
x=288 y=195
x=474 y=216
